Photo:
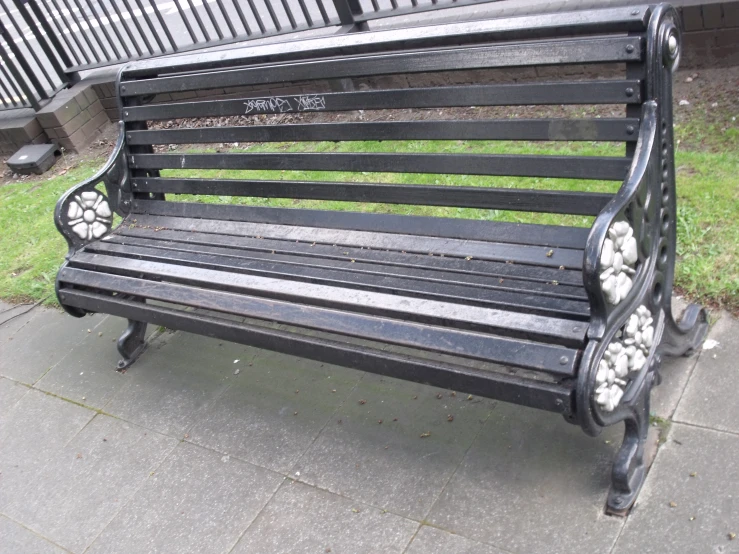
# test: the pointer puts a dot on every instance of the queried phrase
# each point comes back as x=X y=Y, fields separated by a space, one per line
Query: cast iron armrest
x=84 y=214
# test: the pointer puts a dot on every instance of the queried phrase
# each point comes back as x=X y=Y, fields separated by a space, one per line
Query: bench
x=570 y=314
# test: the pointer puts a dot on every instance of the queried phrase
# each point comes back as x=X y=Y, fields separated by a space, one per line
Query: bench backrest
x=540 y=61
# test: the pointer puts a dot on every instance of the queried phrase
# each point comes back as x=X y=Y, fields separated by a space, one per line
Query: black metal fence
x=45 y=43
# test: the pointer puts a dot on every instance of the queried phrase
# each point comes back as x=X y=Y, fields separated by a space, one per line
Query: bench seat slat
x=528 y=392
x=384 y=260
x=526 y=254
x=567 y=167
x=468 y=344
x=519 y=301
x=562 y=202
x=612 y=129
x=352 y=265
x=535 y=327
x=580 y=92
x=455 y=228
x=570 y=51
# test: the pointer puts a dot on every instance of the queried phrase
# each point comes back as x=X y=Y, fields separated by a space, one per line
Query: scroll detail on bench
x=561 y=318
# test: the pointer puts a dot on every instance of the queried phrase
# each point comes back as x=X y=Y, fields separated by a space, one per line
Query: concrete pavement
x=182 y=453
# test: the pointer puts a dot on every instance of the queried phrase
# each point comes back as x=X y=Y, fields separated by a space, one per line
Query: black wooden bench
x=571 y=319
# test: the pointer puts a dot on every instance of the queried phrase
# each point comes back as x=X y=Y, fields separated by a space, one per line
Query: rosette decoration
x=625 y=357
x=618 y=262
x=89 y=215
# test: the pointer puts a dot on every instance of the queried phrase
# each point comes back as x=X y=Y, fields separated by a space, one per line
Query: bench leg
x=685 y=337
x=132 y=343
x=629 y=467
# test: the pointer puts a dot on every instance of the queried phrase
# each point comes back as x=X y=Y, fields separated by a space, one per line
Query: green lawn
x=708 y=229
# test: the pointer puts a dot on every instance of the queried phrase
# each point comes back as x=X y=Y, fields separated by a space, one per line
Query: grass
x=31 y=249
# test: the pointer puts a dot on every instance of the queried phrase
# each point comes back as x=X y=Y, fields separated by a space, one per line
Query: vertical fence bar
x=213 y=20
x=256 y=15
x=164 y=26
x=241 y=17
x=44 y=19
x=93 y=32
x=273 y=15
x=306 y=13
x=17 y=75
x=130 y=34
x=193 y=36
x=151 y=27
x=71 y=32
x=55 y=48
x=289 y=13
x=22 y=37
x=115 y=30
x=7 y=85
x=99 y=20
x=324 y=14
x=200 y=21
x=81 y=31
x=138 y=27
x=346 y=10
x=15 y=90
x=226 y=18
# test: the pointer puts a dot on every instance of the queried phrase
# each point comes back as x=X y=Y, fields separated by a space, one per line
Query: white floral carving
x=625 y=355
x=617 y=262
x=89 y=215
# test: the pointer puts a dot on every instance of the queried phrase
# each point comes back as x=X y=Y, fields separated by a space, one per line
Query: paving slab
x=12 y=322
x=714 y=382
x=528 y=478
x=197 y=501
x=430 y=540
x=37 y=346
x=175 y=380
x=16 y=539
x=9 y=312
x=303 y=519
x=87 y=374
x=394 y=464
x=88 y=482
x=31 y=434
x=274 y=409
x=10 y=393
x=711 y=497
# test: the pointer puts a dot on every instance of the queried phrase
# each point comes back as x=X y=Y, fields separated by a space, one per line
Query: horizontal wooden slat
x=622 y=129
x=518 y=301
x=314 y=257
x=449 y=269
x=492 y=384
x=437 y=227
x=572 y=51
x=448 y=341
x=565 y=167
x=580 y=22
x=564 y=202
x=534 y=327
x=514 y=253
x=580 y=92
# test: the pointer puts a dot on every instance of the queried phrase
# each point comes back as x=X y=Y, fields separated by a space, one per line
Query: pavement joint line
x=705 y=428
x=137 y=489
x=288 y=478
x=6 y=516
x=64 y=357
x=413 y=537
x=696 y=358
x=328 y=419
x=424 y=521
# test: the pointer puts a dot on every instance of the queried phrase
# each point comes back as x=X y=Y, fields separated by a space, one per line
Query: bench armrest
x=84 y=214
x=619 y=250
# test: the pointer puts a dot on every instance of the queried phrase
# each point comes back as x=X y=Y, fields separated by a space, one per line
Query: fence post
x=347 y=9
